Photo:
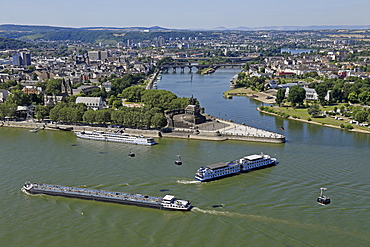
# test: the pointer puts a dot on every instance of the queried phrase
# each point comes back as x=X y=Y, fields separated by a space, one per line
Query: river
x=275 y=206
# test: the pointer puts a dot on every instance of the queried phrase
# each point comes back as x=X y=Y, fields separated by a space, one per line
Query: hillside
x=13 y=44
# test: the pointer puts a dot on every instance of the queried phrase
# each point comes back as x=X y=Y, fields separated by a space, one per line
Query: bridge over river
x=198 y=67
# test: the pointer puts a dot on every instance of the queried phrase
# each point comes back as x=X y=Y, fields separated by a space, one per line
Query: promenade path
x=229 y=130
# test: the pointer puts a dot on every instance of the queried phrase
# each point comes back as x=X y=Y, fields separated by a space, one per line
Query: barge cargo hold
x=168 y=202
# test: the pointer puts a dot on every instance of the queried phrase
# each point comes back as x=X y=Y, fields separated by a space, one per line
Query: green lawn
x=301 y=113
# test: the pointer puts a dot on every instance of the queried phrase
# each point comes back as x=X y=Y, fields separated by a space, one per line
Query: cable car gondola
x=323 y=200
x=178 y=161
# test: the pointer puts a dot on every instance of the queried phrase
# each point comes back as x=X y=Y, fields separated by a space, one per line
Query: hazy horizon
x=185 y=15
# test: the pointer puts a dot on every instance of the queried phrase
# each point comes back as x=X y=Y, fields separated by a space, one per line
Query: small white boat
x=34 y=130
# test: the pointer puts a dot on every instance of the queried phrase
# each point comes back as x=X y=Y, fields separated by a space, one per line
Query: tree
x=361 y=116
x=19 y=98
x=8 y=109
x=118 y=117
x=89 y=116
x=321 y=90
x=102 y=116
x=179 y=103
x=164 y=61
x=314 y=110
x=31 y=68
x=133 y=94
x=158 y=98
x=336 y=94
x=280 y=96
x=353 y=97
x=364 y=97
x=41 y=112
x=54 y=87
x=34 y=76
x=159 y=120
x=296 y=95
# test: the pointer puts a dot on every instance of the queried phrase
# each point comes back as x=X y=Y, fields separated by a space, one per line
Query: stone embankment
x=49 y=126
x=215 y=129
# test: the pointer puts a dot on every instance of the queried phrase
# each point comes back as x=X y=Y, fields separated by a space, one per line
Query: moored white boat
x=115 y=137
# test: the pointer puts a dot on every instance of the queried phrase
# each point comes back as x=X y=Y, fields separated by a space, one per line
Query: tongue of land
x=267 y=96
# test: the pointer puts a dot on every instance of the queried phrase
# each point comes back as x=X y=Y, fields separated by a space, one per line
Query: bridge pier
x=182 y=69
x=174 y=70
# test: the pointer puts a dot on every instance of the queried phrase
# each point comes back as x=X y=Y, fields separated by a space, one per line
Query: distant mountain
x=127 y=29
x=44 y=29
x=30 y=28
x=242 y=28
x=291 y=28
x=111 y=35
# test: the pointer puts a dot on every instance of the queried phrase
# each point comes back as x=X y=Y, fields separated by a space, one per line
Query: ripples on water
x=275 y=206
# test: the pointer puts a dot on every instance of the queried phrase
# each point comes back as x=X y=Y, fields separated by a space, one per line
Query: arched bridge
x=198 y=67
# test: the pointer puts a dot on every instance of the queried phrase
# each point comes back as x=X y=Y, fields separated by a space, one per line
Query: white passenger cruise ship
x=246 y=163
x=115 y=137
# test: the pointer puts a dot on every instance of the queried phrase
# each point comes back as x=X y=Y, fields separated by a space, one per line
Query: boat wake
x=188 y=182
x=262 y=218
x=215 y=212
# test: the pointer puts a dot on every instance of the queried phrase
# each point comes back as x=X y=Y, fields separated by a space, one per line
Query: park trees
x=67 y=112
x=165 y=61
x=53 y=86
x=296 y=95
x=102 y=116
x=41 y=112
x=321 y=90
x=19 y=98
x=280 y=96
x=133 y=93
x=314 y=110
x=7 y=109
x=119 y=84
x=336 y=94
x=361 y=116
x=364 y=97
x=89 y=116
x=158 y=98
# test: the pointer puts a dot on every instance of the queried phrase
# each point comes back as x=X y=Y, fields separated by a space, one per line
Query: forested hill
x=90 y=35
x=12 y=44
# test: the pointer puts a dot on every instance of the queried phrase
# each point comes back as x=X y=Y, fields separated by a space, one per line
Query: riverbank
x=267 y=96
x=215 y=129
x=314 y=121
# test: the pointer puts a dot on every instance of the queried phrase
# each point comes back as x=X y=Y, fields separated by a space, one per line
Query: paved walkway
x=224 y=127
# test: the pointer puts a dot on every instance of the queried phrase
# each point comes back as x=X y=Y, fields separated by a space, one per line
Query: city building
x=94 y=55
x=22 y=58
x=95 y=103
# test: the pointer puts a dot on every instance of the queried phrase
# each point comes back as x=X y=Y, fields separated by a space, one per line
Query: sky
x=186 y=14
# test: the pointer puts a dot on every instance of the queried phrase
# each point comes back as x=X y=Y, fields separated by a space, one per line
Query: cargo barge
x=168 y=202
